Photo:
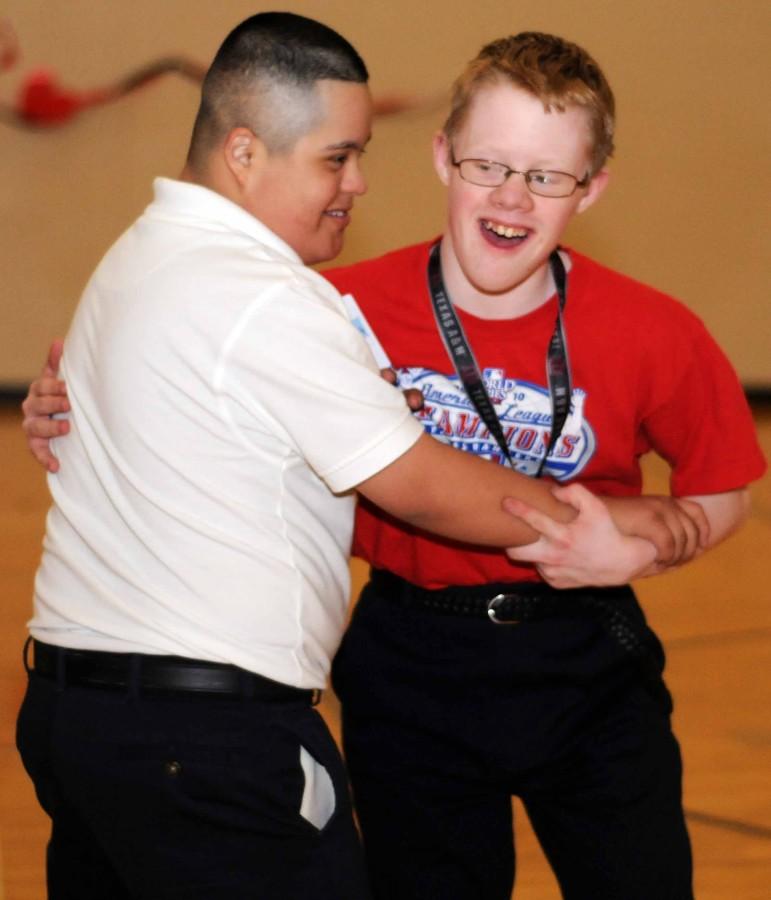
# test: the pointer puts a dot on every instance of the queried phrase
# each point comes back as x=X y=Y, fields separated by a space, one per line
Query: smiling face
x=305 y=195
x=497 y=241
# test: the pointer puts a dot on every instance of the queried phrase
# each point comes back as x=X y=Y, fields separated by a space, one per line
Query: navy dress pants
x=186 y=798
x=445 y=718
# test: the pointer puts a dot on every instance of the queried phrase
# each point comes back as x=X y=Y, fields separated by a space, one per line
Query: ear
x=594 y=190
x=442 y=157
x=244 y=155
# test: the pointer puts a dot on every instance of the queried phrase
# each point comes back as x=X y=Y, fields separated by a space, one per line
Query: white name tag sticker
x=361 y=324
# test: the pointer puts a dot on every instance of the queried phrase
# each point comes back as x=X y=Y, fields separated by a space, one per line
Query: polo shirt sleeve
x=306 y=377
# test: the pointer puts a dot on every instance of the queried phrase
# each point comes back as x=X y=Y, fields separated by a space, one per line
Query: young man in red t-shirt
x=446 y=713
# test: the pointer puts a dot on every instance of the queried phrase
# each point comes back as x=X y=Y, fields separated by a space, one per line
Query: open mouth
x=500 y=235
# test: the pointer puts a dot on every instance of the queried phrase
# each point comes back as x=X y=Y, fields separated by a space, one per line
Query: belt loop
x=61 y=669
x=134 y=676
x=316 y=696
x=247 y=685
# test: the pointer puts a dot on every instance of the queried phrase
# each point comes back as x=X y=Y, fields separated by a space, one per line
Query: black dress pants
x=445 y=718
x=190 y=798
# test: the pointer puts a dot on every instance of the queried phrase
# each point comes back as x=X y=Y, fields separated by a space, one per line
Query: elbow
x=726 y=512
x=744 y=507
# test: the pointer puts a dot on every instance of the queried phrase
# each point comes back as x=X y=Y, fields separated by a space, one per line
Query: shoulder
x=386 y=272
x=616 y=296
x=260 y=273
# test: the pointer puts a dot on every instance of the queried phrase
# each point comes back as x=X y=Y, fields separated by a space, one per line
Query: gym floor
x=714 y=617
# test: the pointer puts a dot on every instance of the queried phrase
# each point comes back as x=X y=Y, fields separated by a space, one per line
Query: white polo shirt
x=222 y=406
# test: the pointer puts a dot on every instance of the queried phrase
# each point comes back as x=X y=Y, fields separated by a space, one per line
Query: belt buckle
x=492 y=608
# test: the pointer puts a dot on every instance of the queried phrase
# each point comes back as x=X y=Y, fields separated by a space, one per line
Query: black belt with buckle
x=505 y=604
x=520 y=603
x=171 y=675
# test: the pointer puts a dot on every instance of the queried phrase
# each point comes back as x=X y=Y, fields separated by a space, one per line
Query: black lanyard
x=459 y=350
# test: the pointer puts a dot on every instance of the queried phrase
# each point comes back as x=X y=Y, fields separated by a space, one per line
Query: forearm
x=725 y=512
x=459 y=496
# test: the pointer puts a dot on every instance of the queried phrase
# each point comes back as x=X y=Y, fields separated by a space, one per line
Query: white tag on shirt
x=360 y=323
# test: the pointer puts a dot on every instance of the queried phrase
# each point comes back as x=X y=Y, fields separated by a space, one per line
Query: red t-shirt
x=646 y=375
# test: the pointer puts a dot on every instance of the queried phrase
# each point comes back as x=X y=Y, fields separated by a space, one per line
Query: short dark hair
x=265 y=53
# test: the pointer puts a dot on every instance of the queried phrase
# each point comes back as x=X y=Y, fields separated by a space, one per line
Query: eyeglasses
x=543 y=182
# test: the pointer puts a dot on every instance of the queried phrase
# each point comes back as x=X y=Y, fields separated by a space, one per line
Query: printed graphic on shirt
x=524 y=410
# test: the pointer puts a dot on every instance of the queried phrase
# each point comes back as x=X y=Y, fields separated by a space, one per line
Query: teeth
x=505 y=231
x=336 y=212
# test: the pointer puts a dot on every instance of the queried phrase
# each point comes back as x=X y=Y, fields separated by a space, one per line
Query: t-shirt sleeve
x=698 y=417
x=308 y=378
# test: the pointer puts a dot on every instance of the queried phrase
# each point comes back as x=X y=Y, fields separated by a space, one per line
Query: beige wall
x=687 y=209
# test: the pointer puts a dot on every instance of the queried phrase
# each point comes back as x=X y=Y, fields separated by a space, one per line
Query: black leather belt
x=522 y=602
x=504 y=604
x=161 y=674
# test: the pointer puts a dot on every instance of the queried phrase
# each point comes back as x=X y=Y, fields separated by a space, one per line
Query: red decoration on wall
x=42 y=101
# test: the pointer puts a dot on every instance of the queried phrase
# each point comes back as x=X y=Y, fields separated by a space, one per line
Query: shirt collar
x=183 y=199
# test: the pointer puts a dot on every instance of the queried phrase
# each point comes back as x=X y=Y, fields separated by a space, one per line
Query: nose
x=354 y=181
x=513 y=193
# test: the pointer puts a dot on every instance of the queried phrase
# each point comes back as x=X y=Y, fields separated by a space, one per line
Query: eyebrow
x=347 y=145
